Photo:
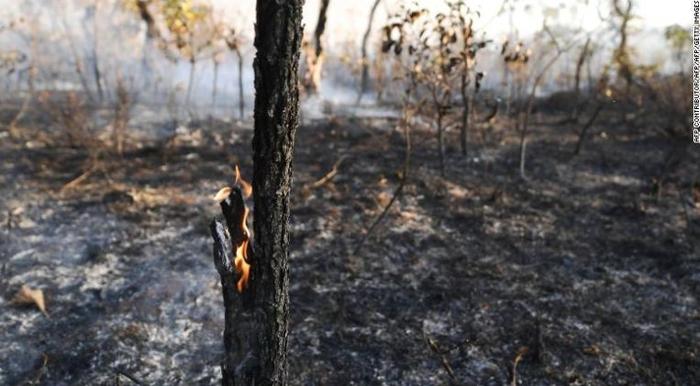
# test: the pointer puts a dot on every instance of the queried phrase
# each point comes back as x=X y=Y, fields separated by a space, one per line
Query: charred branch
x=238 y=367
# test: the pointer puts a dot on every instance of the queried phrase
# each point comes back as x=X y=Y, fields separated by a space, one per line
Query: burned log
x=233 y=254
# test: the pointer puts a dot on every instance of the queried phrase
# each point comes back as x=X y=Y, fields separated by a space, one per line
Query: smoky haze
x=70 y=41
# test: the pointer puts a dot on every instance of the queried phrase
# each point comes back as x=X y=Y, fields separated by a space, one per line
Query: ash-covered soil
x=584 y=274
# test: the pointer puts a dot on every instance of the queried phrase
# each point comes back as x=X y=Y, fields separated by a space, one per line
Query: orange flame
x=245 y=185
x=241 y=260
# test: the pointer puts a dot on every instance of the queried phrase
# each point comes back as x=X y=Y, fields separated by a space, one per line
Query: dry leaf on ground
x=29 y=295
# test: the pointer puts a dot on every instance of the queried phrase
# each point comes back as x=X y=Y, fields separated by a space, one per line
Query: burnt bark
x=239 y=364
x=320 y=27
x=278 y=34
x=257 y=312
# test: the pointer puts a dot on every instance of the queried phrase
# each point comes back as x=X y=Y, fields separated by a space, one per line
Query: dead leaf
x=383 y=199
x=28 y=295
x=592 y=350
x=222 y=194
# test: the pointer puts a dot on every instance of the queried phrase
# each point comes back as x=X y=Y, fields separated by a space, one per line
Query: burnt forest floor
x=581 y=275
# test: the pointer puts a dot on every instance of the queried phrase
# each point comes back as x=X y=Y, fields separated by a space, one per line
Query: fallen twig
x=518 y=358
x=329 y=176
x=129 y=377
x=78 y=180
x=397 y=191
x=443 y=359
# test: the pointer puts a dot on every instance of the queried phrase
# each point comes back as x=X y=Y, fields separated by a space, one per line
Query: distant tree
x=462 y=20
x=622 y=56
x=364 y=81
x=314 y=53
x=234 y=42
x=189 y=31
x=679 y=38
x=441 y=50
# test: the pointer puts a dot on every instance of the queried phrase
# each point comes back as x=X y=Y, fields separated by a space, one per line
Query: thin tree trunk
x=364 y=81
x=215 y=82
x=528 y=110
x=278 y=34
x=523 y=148
x=577 y=79
x=441 y=142
x=465 y=114
x=190 y=81
x=76 y=58
x=95 y=59
x=318 y=57
x=241 y=101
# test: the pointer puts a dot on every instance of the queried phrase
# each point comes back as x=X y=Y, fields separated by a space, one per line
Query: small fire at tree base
x=233 y=257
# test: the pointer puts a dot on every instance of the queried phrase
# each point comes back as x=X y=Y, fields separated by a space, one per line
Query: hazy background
x=65 y=30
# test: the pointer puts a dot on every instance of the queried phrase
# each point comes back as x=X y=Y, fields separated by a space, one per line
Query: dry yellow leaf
x=384 y=198
x=28 y=295
x=222 y=194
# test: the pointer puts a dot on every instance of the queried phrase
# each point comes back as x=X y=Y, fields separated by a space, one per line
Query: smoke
x=85 y=45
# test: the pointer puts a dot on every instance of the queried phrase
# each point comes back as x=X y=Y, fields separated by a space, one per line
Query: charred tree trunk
x=364 y=81
x=277 y=40
x=257 y=308
x=239 y=365
x=278 y=34
x=320 y=27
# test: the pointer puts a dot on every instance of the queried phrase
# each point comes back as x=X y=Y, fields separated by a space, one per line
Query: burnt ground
x=581 y=275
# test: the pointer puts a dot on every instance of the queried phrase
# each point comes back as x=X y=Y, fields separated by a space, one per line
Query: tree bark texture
x=240 y=365
x=278 y=34
x=257 y=313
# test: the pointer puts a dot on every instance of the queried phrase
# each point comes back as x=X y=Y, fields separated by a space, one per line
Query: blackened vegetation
x=440 y=52
x=583 y=265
